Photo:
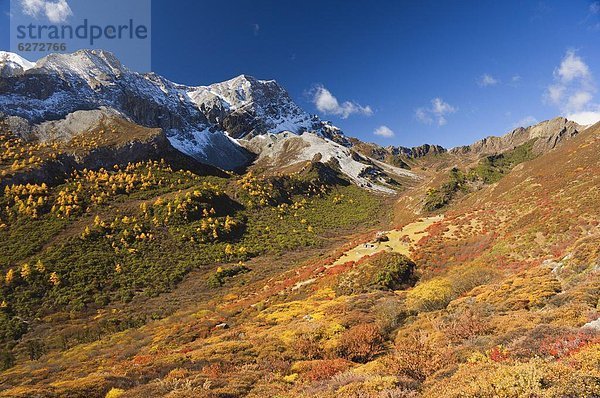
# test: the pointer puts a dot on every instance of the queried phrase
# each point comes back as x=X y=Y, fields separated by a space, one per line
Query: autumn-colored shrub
x=529 y=289
x=534 y=378
x=390 y=313
x=466 y=277
x=568 y=344
x=308 y=346
x=431 y=295
x=115 y=393
x=215 y=370
x=361 y=343
x=465 y=324
x=273 y=363
x=492 y=380
x=498 y=354
x=321 y=369
x=374 y=386
x=417 y=358
x=552 y=341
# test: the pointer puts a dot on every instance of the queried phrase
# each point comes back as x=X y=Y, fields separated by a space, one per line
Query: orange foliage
x=361 y=343
x=322 y=369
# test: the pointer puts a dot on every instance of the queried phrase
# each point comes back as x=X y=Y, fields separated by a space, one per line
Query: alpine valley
x=219 y=241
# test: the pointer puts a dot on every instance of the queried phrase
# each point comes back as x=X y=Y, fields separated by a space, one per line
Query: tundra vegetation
x=143 y=280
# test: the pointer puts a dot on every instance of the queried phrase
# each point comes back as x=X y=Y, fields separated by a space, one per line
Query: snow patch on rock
x=14 y=61
x=287 y=149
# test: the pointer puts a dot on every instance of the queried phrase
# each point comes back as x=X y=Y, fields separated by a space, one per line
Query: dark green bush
x=384 y=271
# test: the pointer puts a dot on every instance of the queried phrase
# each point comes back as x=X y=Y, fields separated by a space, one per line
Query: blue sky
x=444 y=72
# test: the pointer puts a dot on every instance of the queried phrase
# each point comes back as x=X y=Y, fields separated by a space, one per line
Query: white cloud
x=592 y=17
x=487 y=80
x=328 y=104
x=423 y=116
x=579 y=100
x=586 y=117
x=572 y=67
x=32 y=7
x=555 y=93
x=56 y=11
x=437 y=112
x=255 y=29
x=441 y=108
x=526 y=122
x=573 y=90
x=384 y=131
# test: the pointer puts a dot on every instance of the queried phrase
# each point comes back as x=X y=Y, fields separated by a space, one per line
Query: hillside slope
x=497 y=297
x=133 y=266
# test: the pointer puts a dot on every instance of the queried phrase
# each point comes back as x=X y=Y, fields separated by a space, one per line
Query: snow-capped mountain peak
x=243 y=90
x=94 y=66
x=246 y=106
x=11 y=63
x=6 y=56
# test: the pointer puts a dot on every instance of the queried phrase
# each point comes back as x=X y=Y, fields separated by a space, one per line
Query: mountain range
x=229 y=125
x=219 y=241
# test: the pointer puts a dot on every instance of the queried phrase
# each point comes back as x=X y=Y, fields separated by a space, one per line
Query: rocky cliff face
x=245 y=106
x=418 y=151
x=547 y=135
x=396 y=156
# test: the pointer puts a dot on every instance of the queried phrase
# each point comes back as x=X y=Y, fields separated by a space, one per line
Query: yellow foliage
x=526 y=290
x=54 y=279
x=290 y=378
x=577 y=377
x=431 y=295
x=10 y=275
x=25 y=271
x=368 y=388
x=115 y=393
x=39 y=266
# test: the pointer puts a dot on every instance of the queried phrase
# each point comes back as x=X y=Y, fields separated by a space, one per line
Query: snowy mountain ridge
x=263 y=105
x=11 y=64
x=214 y=124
